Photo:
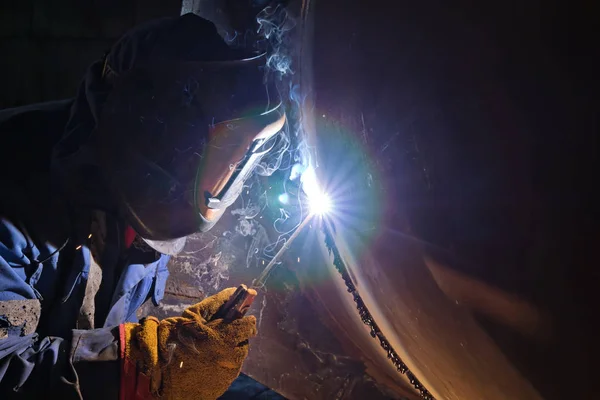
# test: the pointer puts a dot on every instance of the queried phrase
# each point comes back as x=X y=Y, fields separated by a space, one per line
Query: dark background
x=46 y=46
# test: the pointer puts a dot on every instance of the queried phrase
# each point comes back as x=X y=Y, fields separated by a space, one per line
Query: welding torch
x=238 y=304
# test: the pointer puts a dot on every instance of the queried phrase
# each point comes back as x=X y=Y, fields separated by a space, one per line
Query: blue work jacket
x=46 y=245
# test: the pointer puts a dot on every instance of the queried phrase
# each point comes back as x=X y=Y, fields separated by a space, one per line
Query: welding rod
x=260 y=281
x=239 y=303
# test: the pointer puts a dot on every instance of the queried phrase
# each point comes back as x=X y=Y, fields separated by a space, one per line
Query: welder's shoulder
x=28 y=133
x=35 y=117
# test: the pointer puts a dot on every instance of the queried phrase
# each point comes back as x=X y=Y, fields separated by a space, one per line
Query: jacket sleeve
x=84 y=364
x=30 y=367
x=95 y=356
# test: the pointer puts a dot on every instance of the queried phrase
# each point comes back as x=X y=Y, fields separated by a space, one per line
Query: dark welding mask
x=178 y=141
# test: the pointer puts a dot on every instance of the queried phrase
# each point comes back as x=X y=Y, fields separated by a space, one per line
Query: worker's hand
x=187 y=357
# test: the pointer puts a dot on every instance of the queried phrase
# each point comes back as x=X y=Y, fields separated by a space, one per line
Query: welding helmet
x=177 y=141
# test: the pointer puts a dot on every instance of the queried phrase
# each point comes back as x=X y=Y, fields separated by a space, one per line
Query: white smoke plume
x=276 y=33
x=275 y=24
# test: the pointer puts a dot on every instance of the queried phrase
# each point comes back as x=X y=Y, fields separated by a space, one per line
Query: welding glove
x=187 y=357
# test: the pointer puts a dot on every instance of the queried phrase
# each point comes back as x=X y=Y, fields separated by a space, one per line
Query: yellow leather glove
x=187 y=357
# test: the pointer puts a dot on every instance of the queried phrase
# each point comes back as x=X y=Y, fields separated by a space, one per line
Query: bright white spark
x=318 y=201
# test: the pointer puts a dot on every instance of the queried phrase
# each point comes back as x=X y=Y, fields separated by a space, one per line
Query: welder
x=99 y=191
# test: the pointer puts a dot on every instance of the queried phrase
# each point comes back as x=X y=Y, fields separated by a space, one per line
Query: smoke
x=275 y=23
x=281 y=32
x=279 y=157
x=277 y=35
x=278 y=31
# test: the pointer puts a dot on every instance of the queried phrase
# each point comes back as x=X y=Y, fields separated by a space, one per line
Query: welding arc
x=259 y=282
x=367 y=318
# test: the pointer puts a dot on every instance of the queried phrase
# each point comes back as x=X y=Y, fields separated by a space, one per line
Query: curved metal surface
x=421 y=111
x=439 y=340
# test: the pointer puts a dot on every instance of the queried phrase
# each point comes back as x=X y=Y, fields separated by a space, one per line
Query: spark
x=262 y=309
x=318 y=201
